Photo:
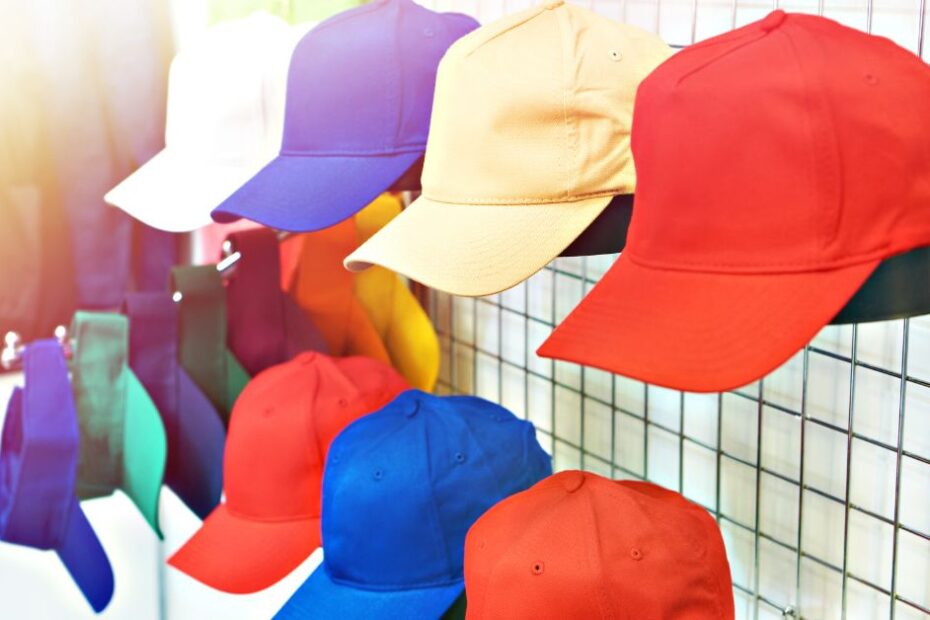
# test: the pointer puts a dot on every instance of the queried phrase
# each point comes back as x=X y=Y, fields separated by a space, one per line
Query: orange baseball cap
x=327 y=293
x=578 y=545
x=529 y=142
x=279 y=432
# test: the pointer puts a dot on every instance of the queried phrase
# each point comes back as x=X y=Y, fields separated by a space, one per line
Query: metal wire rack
x=818 y=474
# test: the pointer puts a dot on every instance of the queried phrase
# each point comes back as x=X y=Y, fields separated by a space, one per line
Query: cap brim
x=306 y=193
x=86 y=561
x=175 y=193
x=475 y=250
x=241 y=556
x=145 y=450
x=195 y=470
x=701 y=332
x=321 y=598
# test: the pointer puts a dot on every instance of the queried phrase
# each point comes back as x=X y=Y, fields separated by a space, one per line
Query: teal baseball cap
x=123 y=442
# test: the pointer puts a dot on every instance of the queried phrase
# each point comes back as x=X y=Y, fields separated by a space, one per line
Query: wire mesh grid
x=818 y=474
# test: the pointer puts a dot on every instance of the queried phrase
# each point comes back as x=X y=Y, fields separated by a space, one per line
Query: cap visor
x=475 y=249
x=701 y=332
x=84 y=557
x=320 y=597
x=195 y=471
x=175 y=193
x=304 y=193
x=145 y=450
x=241 y=556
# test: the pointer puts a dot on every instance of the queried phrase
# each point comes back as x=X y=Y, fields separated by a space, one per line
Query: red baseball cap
x=279 y=432
x=777 y=166
x=578 y=545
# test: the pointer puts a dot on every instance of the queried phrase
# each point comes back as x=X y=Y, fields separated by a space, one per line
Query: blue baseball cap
x=38 y=466
x=400 y=490
x=193 y=427
x=359 y=97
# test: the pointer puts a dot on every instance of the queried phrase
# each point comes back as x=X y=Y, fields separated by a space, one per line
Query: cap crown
x=794 y=144
x=537 y=107
x=283 y=423
x=226 y=92
x=38 y=455
x=362 y=81
x=403 y=485
x=578 y=545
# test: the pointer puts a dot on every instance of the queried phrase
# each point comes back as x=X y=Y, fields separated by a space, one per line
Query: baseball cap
x=607 y=233
x=889 y=293
x=578 y=545
x=394 y=310
x=264 y=325
x=400 y=490
x=38 y=464
x=741 y=249
x=279 y=433
x=529 y=143
x=224 y=122
x=202 y=336
x=359 y=92
x=326 y=292
x=123 y=443
x=193 y=428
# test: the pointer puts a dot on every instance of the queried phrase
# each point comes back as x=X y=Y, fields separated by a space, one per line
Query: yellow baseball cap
x=529 y=141
x=405 y=328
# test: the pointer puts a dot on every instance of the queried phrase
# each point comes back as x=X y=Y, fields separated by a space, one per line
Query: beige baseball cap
x=529 y=141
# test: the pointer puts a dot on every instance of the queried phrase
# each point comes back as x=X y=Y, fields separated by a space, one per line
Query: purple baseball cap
x=38 y=466
x=359 y=96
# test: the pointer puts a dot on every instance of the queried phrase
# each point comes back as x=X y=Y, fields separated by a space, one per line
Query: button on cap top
x=773 y=20
x=551 y=4
x=571 y=480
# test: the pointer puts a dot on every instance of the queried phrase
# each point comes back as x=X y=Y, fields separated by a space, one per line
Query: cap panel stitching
x=593 y=553
x=829 y=176
x=539 y=11
x=436 y=521
x=570 y=141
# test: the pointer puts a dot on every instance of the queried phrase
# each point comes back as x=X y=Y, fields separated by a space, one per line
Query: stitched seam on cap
x=814 y=172
x=738 y=45
x=321 y=451
x=570 y=144
x=394 y=588
x=539 y=11
x=594 y=555
x=775 y=268
x=404 y=150
x=530 y=201
x=436 y=520
x=247 y=517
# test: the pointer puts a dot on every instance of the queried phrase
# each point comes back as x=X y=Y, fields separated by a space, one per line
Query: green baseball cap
x=202 y=338
x=123 y=443
x=294 y=11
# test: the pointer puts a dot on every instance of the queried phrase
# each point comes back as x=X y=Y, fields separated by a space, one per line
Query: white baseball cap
x=225 y=117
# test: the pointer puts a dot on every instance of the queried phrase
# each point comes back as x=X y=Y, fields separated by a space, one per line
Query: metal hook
x=227 y=263
x=11 y=358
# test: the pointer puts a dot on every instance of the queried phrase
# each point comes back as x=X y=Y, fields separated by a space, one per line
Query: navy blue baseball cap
x=193 y=427
x=359 y=97
x=400 y=490
x=38 y=466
